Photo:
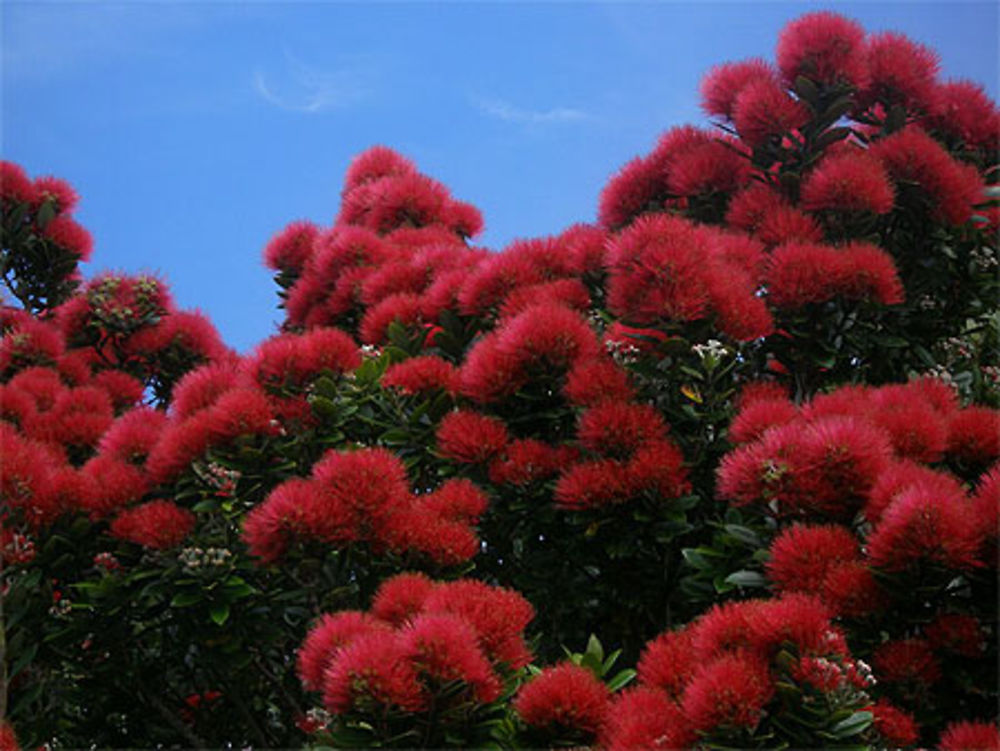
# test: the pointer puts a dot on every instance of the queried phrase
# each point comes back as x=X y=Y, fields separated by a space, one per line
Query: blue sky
x=194 y=131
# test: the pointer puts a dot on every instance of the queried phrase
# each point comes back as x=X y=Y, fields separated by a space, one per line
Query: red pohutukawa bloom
x=442 y=648
x=157 y=524
x=668 y=662
x=566 y=697
x=659 y=270
x=974 y=436
x=527 y=461
x=956 y=633
x=372 y=669
x=912 y=156
x=69 y=235
x=906 y=661
x=333 y=632
x=802 y=556
x=615 y=429
x=731 y=691
x=897 y=727
x=591 y=382
x=966 y=736
x=291 y=248
x=824 y=47
x=645 y=718
x=723 y=83
x=421 y=638
x=804 y=273
x=402 y=597
x=291 y=361
x=760 y=415
x=901 y=72
x=962 y=109
x=425 y=374
x=15 y=185
x=848 y=181
x=921 y=525
x=57 y=190
x=764 y=110
x=470 y=437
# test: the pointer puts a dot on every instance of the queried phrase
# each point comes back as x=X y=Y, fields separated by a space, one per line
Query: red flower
x=922 y=525
x=564 y=697
x=116 y=484
x=471 y=438
x=756 y=417
x=668 y=662
x=957 y=633
x=851 y=590
x=498 y=615
x=970 y=736
x=295 y=511
x=332 y=632
x=589 y=485
x=375 y=163
x=200 y=388
x=125 y=391
x=443 y=648
x=974 y=435
x=55 y=189
x=764 y=110
x=615 y=429
x=15 y=185
x=912 y=156
x=906 y=661
x=802 y=556
x=71 y=236
x=591 y=382
x=645 y=718
x=399 y=599
x=848 y=181
x=568 y=293
x=403 y=308
x=731 y=691
x=157 y=524
x=657 y=467
x=421 y=375
x=897 y=728
x=964 y=110
x=371 y=673
x=290 y=249
x=915 y=428
x=723 y=83
x=902 y=72
x=527 y=461
x=899 y=477
x=869 y=273
x=786 y=224
x=801 y=273
x=712 y=167
x=824 y=47
x=750 y=207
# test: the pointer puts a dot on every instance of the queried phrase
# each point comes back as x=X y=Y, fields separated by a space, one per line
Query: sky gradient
x=195 y=131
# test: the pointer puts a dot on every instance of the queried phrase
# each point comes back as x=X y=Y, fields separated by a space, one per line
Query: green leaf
x=219 y=613
x=23 y=660
x=746 y=579
x=621 y=679
x=743 y=534
x=856 y=723
x=185 y=599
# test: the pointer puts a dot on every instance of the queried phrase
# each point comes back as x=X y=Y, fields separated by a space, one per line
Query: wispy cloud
x=503 y=110
x=304 y=88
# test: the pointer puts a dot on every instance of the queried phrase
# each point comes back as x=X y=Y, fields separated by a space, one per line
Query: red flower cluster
x=419 y=637
x=364 y=497
x=563 y=698
x=715 y=679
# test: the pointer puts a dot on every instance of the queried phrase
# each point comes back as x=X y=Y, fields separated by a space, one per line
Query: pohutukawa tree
x=743 y=430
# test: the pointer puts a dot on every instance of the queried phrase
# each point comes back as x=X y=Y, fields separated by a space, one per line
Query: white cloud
x=503 y=110
x=304 y=88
